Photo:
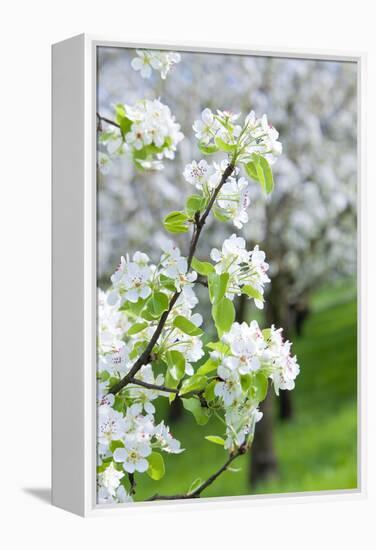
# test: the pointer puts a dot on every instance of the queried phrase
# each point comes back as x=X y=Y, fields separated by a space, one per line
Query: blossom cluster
x=127 y=431
x=221 y=130
x=160 y=61
x=247 y=358
x=233 y=200
x=147 y=130
x=247 y=269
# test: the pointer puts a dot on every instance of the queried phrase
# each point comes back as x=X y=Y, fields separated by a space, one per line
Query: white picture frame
x=74 y=276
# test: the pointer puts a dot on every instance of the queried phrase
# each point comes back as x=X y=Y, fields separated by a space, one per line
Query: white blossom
x=133 y=455
x=148 y=60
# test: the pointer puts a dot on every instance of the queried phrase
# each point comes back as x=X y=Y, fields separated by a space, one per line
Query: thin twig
x=197 y=492
x=108 y=121
x=144 y=358
x=138 y=382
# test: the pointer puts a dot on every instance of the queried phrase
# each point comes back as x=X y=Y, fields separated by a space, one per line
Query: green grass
x=317 y=450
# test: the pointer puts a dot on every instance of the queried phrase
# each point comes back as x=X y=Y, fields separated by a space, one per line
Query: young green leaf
x=209 y=394
x=207 y=149
x=136 y=328
x=268 y=174
x=176 y=364
x=218 y=214
x=252 y=292
x=208 y=366
x=193 y=384
x=115 y=444
x=194 y=204
x=186 y=326
x=203 y=268
x=156 y=468
x=215 y=439
x=171 y=383
x=259 y=387
x=176 y=222
x=157 y=304
x=223 y=313
x=217 y=286
x=200 y=414
x=250 y=168
x=223 y=146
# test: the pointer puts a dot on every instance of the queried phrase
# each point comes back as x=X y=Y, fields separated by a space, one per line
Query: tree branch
x=108 y=121
x=138 y=382
x=144 y=358
x=197 y=492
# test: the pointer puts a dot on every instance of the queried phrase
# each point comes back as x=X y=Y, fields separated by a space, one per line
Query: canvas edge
x=89 y=507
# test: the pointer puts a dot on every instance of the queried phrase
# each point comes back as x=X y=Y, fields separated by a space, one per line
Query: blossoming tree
x=152 y=343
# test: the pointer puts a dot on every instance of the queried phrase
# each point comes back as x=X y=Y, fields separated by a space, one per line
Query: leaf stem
x=197 y=492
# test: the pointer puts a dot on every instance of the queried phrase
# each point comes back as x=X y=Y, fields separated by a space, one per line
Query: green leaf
x=207 y=149
x=223 y=313
x=125 y=125
x=200 y=414
x=186 y=326
x=250 y=168
x=175 y=222
x=268 y=175
x=156 y=468
x=260 y=387
x=208 y=366
x=260 y=174
x=115 y=444
x=246 y=381
x=209 y=394
x=194 y=204
x=218 y=346
x=220 y=216
x=217 y=286
x=203 y=268
x=195 y=485
x=176 y=364
x=171 y=383
x=215 y=439
x=167 y=282
x=157 y=304
x=252 y=292
x=193 y=384
x=137 y=327
x=121 y=118
x=223 y=146
x=134 y=307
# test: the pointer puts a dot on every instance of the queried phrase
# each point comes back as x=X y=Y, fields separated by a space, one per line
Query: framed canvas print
x=206 y=275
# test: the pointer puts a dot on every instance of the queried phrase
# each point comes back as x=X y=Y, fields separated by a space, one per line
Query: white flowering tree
x=151 y=342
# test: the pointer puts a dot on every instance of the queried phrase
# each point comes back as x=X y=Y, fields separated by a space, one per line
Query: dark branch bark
x=108 y=121
x=144 y=358
x=152 y=386
x=197 y=492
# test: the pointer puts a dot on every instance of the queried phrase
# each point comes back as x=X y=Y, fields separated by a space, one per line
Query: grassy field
x=317 y=450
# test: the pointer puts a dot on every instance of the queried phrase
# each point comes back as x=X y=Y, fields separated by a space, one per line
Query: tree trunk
x=175 y=411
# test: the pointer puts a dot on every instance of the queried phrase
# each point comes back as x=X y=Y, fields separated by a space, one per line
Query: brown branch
x=138 y=382
x=108 y=121
x=197 y=492
x=144 y=358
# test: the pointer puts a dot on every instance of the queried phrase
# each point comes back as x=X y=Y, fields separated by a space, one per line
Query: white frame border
x=90 y=508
